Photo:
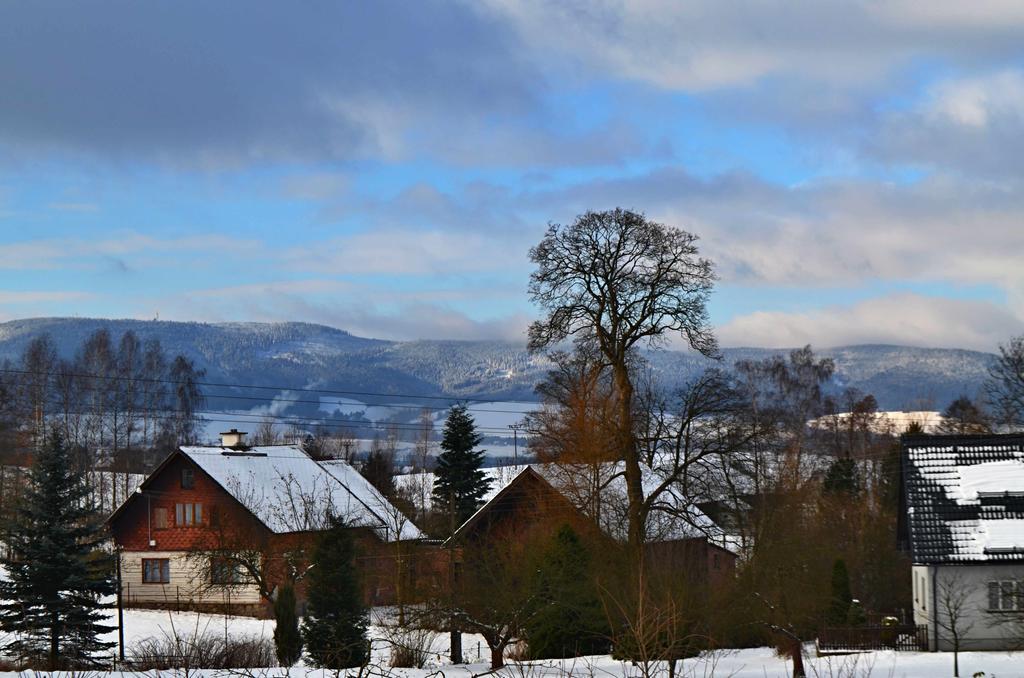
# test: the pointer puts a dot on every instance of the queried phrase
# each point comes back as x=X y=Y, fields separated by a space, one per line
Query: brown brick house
x=224 y=526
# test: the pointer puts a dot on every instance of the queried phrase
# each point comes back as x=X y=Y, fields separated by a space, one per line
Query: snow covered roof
x=964 y=497
x=288 y=491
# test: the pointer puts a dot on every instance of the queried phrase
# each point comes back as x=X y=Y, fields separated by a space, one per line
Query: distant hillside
x=291 y=355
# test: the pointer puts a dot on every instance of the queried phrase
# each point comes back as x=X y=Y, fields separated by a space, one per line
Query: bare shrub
x=410 y=647
x=202 y=651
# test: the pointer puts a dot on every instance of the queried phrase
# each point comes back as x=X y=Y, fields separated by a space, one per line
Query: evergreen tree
x=569 y=620
x=379 y=469
x=336 y=622
x=58 y=573
x=459 y=484
x=841 y=477
x=287 y=639
x=839 y=607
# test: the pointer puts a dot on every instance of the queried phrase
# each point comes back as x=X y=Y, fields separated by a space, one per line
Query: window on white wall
x=1006 y=596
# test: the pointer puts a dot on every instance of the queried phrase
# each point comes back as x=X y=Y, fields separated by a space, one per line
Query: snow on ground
x=747 y=663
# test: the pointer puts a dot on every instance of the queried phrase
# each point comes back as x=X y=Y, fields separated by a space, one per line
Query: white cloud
x=976 y=101
x=971 y=125
x=362 y=309
x=905 y=319
x=833 y=234
x=706 y=44
x=48 y=254
x=408 y=252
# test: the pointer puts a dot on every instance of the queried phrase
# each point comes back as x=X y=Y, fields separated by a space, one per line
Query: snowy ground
x=750 y=663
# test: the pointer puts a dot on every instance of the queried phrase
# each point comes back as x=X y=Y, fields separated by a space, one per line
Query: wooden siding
x=187 y=585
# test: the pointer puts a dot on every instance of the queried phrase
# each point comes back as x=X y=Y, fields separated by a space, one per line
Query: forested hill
x=307 y=355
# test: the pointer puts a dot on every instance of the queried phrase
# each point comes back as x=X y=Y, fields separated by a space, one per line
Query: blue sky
x=853 y=169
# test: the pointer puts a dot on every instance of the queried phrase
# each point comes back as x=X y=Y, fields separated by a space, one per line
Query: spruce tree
x=842 y=477
x=287 y=639
x=379 y=469
x=569 y=619
x=839 y=607
x=335 y=625
x=57 y=572
x=459 y=484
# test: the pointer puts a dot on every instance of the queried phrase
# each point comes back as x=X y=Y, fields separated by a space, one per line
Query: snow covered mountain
x=296 y=355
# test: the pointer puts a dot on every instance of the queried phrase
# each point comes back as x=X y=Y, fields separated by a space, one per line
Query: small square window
x=188 y=478
x=156 y=571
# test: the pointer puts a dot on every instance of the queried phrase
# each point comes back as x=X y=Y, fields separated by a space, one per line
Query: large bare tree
x=614 y=282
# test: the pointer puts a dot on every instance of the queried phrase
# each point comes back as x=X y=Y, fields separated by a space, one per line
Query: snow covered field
x=749 y=663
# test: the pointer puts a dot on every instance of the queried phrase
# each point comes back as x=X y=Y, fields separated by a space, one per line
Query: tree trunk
x=54 y=641
x=497 y=657
x=456 y=645
x=631 y=463
x=798 y=660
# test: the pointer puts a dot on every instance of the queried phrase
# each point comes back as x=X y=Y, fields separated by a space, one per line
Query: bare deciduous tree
x=615 y=281
x=1005 y=386
x=952 y=612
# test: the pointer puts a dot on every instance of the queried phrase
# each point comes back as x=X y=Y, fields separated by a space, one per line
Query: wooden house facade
x=223 y=527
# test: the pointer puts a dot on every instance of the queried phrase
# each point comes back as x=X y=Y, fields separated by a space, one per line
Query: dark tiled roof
x=964 y=497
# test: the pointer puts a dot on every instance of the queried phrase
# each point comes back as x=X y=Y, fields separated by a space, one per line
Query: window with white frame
x=1006 y=596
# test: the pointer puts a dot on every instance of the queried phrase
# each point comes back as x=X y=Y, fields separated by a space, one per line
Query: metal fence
x=908 y=637
x=187 y=598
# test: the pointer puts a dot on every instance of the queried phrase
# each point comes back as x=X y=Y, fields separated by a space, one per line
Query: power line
x=114 y=377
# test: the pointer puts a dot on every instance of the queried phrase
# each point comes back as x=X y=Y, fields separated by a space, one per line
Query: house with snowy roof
x=224 y=526
x=962 y=521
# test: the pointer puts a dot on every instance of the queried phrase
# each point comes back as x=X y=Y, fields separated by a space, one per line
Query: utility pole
x=516 y=428
x=120 y=609
x=455 y=633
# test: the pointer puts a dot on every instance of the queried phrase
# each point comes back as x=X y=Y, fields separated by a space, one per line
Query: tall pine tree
x=459 y=484
x=335 y=625
x=57 y=571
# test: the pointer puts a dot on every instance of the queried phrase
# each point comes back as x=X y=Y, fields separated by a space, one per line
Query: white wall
x=980 y=628
x=187 y=582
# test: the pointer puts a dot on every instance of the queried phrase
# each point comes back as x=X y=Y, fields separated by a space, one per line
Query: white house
x=963 y=521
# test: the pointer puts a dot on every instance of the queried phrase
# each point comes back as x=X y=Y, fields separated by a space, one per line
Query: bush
x=287 y=640
x=204 y=651
x=410 y=647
